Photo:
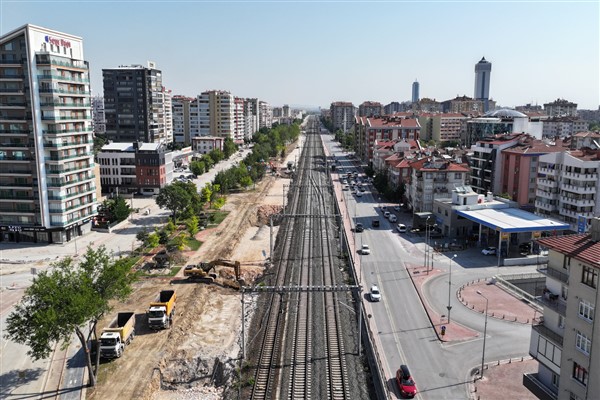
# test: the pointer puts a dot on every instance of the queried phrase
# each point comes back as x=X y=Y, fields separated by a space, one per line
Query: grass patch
x=194 y=244
x=215 y=218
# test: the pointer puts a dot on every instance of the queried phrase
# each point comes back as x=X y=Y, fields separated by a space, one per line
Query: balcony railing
x=70 y=92
x=581 y=176
x=62 y=183
x=64 y=78
x=553 y=302
x=54 y=61
x=74 y=194
x=69 y=157
x=71 y=220
x=58 y=171
x=61 y=131
x=13 y=196
x=13 y=158
x=14 y=132
x=66 y=118
x=67 y=144
x=9 y=90
x=64 y=210
x=59 y=104
x=577 y=202
x=15 y=184
x=561 y=276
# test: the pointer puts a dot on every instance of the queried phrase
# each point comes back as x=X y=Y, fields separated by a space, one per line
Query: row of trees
x=184 y=201
x=207 y=161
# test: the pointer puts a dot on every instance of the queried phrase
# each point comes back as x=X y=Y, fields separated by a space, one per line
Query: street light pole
x=484 y=332
x=426 y=261
x=449 y=307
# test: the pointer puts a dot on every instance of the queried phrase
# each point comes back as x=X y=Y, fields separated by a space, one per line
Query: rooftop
x=512 y=220
x=580 y=247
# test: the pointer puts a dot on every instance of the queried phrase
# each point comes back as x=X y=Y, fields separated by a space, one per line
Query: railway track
x=302 y=355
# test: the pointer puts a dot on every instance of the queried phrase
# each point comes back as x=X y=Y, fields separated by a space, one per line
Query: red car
x=406 y=384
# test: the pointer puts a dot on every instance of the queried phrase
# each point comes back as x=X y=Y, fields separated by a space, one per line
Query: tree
x=163 y=237
x=197 y=167
x=246 y=181
x=120 y=209
x=142 y=235
x=192 y=225
x=229 y=147
x=153 y=240
x=206 y=193
x=177 y=197
x=170 y=227
x=180 y=241
x=63 y=299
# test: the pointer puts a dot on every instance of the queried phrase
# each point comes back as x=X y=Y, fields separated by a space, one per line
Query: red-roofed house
x=433 y=178
x=564 y=340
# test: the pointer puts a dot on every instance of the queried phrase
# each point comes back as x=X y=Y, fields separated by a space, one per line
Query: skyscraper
x=134 y=104
x=47 y=190
x=415 y=91
x=483 y=70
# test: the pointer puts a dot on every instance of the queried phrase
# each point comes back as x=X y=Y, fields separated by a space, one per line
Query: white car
x=489 y=251
x=359 y=194
x=375 y=294
x=364 y=250
x=401 y=228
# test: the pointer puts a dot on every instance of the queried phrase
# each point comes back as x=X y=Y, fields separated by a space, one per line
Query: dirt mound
x=265 y=211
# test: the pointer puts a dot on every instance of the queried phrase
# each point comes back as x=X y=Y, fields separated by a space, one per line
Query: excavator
x=205 y=271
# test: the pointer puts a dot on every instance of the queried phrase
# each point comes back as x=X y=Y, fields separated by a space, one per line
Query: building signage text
x=57 y=41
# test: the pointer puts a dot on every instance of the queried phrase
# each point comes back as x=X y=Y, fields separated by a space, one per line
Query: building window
x=583 y=343
x=586 y=310
x=589 y=276
x=561 y=321
x=555 y=380
x=580 y=374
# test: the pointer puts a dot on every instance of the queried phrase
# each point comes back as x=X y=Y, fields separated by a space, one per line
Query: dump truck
x=118 y=334
x=162 y=310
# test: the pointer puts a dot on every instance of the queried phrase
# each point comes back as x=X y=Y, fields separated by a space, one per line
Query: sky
x=312 y=53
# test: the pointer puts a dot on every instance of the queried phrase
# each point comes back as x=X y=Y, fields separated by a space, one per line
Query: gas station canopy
x=512 y=220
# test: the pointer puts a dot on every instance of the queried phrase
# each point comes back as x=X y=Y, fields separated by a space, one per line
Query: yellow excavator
x=205 y=271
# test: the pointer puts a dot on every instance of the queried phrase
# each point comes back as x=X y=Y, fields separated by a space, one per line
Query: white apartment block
x=206 y=144
x=567 y=186
x=168 y=113
x=216 y=114
x=239 y=118
x=265 y=117
x=560 y=108
x=47 y=182
x=342 y=115
x=563 y=126
x=565 y=339
x=181 y=119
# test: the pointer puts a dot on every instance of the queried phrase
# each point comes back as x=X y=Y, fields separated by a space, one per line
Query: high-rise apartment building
x=216 y=113
x=47 y=190
x=252 y=113
x=239 y=118
x=265 y=115
x=181 y=119
x=98 y=118
x=415 y=91
x=564 y=342
x=168 y=113
x=134 y=104
x=560 y=108
x=483 y=70
x=342 y=115
x=370 y=109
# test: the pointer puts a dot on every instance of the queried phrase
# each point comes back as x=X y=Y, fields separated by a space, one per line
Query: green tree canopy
x=229 y=147
x=177 y=197
x=65 y=299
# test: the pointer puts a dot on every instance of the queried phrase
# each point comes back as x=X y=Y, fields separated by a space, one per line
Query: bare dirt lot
x=198 y=356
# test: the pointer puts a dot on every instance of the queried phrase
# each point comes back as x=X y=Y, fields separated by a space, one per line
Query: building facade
x=216 y=114
x=134 y=168
x=134 y=104
x=415 y=91
x=567 y=187
x=560 y=108
x=342 y=115
x=98 y=117
x=442 y=127
x=181 y=119
x=47 y=190
x=483 y=72
x=564 y=341
x=370 y=109
x=563 y=126
x=206 y=144
x=368 y=131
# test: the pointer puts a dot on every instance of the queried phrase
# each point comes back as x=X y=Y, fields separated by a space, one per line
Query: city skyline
x=315 y=53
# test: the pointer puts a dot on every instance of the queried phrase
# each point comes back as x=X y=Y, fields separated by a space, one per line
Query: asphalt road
x=404 y=331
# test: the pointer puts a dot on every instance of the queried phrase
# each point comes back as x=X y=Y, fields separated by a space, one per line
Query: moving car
x=406 y=384
x=375 y=223
x=358 y=193
x=489 y=251
x=386 y=214
x=364 y=250
x=393 y=218
x=375 y=294
x=401 y=228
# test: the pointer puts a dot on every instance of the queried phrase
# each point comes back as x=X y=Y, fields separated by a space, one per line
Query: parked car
x=386 y=214
x=489 y=251
x=359 y=227
x=364 y=250
x=374 y=293
x=406 y=384
x=396 y=208
x=375 y=223
x=358 y=193
x=393 y=218
x=401 y=228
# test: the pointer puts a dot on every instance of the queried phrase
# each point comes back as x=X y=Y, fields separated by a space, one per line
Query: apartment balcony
x=545 y=206
x=547 y=194
x=18 y=210
x=547 y=183
x=15 y=158
x=63 y=210
x=67 y=118
x=14 y=145
x=59 y=158
x=65 y=91
x=12 y=91
x=11 y=63
x=15 y=185
x=579 y=189
x=554 y=273
x=54 y=170
x=12 y=106
x=575 y=213
x=68 y=144
x=10 y=78
x=577 y=202
x=83 y=129
x=14 y=132
x=6 y=170
x=55 y=77
x=72 y=220
x=553 y=302
x=82 y=192
x=16 y=196
x=580 y=176
x=548 y=171
x=53 y=104
x=41 y=60
x=72 y=181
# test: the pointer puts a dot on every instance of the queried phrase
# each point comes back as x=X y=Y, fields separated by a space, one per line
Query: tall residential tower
x=47 y=190
x=415 y=92
x=483 y=70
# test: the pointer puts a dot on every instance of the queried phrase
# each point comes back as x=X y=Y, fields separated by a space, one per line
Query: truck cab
x=157 y=317
x=111 y=345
